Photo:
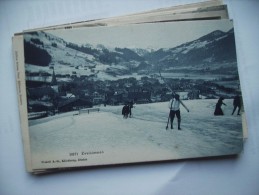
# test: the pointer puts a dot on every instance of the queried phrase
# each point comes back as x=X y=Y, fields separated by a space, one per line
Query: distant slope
x=214 y=53
x=210 y=50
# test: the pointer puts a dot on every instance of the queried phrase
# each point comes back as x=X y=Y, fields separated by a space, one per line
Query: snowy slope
x=214 y=51
x=65 y=60
x=137 y=139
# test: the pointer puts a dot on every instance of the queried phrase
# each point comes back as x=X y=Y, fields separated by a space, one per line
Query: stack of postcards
x=155 y=86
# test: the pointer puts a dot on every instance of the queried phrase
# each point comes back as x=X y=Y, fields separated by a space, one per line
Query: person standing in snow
x=174 y=106
x=237 y=104
x=218 y=111
x=125 y=111
x=130 y=108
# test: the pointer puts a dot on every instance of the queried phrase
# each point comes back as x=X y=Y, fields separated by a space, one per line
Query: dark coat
x=237 y=101
x=125 y=110
x=218 y=110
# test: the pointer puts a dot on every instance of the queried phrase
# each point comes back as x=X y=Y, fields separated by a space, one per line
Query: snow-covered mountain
x=210 y=51
x=214 y=52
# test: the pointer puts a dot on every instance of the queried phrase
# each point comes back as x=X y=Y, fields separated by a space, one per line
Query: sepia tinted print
x=132 y=93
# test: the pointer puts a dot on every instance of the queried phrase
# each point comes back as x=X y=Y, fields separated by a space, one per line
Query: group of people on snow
x=127 y=110
x=236 y=104
x=174 y=107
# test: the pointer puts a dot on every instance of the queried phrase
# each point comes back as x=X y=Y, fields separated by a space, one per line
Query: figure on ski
x=125 y=111
x=174 y=106
x=237 y=104
x=218 y=111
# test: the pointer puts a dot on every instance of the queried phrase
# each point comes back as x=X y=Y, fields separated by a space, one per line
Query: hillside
x=213 y=53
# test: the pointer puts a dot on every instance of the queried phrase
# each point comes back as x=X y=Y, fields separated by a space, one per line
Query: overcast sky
x=157 y=35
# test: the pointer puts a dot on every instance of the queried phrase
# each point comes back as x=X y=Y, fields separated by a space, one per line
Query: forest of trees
x=36 y=55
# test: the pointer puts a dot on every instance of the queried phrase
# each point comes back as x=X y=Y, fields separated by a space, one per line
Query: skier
x=218 y=110
x=174 y=106
x=237 y=104
x=125 y=111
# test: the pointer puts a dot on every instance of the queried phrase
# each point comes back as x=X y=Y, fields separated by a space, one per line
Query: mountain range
x=213 y=53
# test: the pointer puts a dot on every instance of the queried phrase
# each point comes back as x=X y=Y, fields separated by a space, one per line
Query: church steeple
x=54 y=79
x=54 y=83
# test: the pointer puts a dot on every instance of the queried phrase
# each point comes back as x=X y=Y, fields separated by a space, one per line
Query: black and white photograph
x=132 y=93
x=129 y=97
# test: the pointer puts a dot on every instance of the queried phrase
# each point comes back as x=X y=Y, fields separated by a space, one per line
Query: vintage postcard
x=131 y=93
x=201 y=11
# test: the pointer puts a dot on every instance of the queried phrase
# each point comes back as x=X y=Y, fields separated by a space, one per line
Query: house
x=139 y=95
x=119 y=97
x=39 y=106
x=194 y=94
x=156 y=98
x=98 y=98
x=74 y=104
x=183 y=95
x=67 y=95
x=40 y=92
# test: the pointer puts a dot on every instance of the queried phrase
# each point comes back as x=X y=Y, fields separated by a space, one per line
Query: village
x=62 y=76
x=49 y=94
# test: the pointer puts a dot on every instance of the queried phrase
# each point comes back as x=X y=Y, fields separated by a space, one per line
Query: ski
x=167 y=122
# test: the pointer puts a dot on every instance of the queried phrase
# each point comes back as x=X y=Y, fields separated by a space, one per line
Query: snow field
x=141 y=138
